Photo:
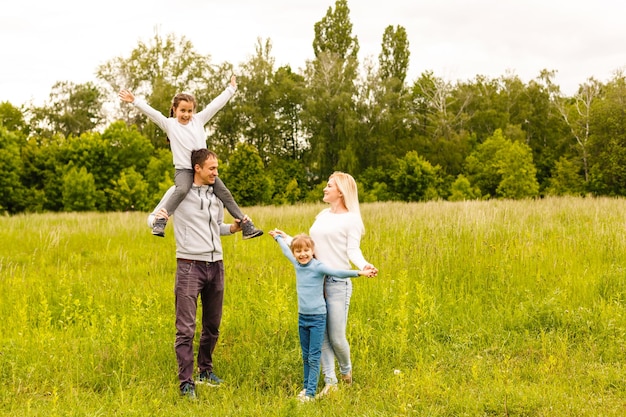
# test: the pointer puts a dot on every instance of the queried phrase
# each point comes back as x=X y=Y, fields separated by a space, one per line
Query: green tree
x=43 y=162
x=12 y=192
x=288 y=179
x=330 y=111
x=256 y=103
x=159 y=175
x=290 y=94
x=71 y=110
x=129 y=192
x=375 y=185
x=79 y=190
x=502 y=168
x=333 y=34
x=383 y=105
x=576 y=113
x=607 y=139
x=518 y=173
x=462 y=190
x=415 y=179
x=128 y=148
x=245 y=176
x=546 y=132
x=394 y=56
x=438 y=114
x=566 y=179
x=12 y=118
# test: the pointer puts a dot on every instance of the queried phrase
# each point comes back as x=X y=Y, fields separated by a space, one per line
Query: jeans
x=338 y=292
x=311 y=328
x=192 y=279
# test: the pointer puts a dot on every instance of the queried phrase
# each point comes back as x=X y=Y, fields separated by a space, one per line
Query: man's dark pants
x=193 y=279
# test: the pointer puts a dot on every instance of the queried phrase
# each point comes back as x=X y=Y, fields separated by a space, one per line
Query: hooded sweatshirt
x=198 y=224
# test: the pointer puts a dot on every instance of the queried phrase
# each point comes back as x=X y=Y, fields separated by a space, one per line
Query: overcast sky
x=46 y=41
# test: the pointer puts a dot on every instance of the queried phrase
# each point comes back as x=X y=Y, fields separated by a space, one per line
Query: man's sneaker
x=209 y=378
x=328 y=388
x=347 y=378
x=188 y=390
x=249 y=231
x=301 y=394
x=158 y=228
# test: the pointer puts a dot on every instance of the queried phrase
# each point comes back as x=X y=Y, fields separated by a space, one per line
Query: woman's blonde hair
x=302 y=241
x=348 y=189
x=349 y=193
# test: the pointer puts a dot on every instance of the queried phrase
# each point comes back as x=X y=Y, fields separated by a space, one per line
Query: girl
x=310 y=275
x=185 y=132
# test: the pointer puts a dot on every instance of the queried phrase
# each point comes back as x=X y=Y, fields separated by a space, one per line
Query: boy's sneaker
x=249 y=231
x=305 y=399
x=158 y=228
x=188 y=390
x=209 y=378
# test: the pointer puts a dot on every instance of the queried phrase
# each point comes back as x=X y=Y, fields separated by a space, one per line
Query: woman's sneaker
x=327 y=390
x=347 y=378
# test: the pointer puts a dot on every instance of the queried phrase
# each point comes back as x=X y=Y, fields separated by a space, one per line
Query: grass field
x=499 y=308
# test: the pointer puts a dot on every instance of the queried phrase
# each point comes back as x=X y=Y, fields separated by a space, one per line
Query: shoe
x=301 y=394
x=328 y=388
x=209 y=378
x=188 y=390
x=249 y=231
x=305 y=399
x=158 y=229
x=347 y=378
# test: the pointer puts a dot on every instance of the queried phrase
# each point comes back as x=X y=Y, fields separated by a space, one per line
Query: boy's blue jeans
x=311 y=328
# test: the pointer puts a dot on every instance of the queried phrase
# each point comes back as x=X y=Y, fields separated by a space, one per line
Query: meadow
x=496 y=308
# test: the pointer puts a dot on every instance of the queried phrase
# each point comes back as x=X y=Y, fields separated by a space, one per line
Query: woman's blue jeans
x=338 y=292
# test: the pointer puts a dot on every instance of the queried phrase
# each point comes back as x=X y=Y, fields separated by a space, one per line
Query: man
x=199 y=269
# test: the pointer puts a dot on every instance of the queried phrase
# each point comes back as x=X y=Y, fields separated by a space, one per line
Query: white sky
x=45 y=41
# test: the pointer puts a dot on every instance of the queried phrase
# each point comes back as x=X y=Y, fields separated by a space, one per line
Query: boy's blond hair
x=302 y=241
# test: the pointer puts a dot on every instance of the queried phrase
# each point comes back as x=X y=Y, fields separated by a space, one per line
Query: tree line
x=284 y=131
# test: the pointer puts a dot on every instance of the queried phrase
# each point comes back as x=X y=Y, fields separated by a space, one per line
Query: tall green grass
x=499 y=308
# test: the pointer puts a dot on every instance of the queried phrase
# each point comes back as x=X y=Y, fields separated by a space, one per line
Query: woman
x=337 y=232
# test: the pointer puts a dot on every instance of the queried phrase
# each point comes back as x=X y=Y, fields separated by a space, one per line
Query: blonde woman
x=337 y=233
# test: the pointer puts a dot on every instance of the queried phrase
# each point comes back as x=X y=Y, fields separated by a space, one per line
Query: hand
x=276 y=232
x=126 y=96
x=236 y=226
x=233 y=81
x=162 y=214
x=371 y=269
